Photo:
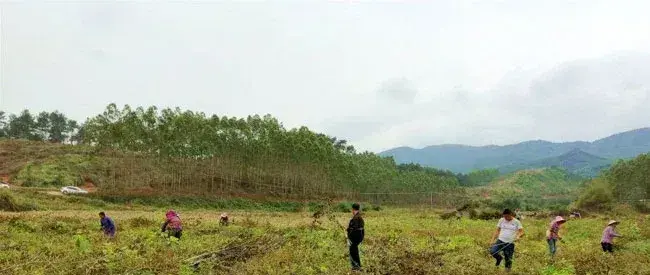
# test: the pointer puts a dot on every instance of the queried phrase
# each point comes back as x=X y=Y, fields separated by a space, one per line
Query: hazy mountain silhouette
x=529 y=154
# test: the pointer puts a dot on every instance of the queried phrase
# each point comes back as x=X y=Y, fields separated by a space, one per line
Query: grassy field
x=65 y=239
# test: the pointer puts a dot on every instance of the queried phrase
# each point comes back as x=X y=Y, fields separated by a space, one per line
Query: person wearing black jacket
x=355 y=236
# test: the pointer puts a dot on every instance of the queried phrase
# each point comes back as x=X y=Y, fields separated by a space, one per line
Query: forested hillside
x=173 y=150
x=127 y=150
x=576 y=162
x=625 y=181
x=532 y=189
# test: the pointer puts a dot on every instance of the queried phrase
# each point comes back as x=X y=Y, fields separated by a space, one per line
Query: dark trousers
x=175 y=233
x=607 y=247
x=355 y=260
x=508 y=250
x=552 y=246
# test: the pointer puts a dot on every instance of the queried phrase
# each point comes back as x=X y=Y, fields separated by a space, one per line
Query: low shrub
x=484 y=214
x=315 y=206
x=641 y=207
x=448 y=215
x=559 y=210
x=9 y=203
x=46 y=174
x=510 y=203
x=489 y=214
x=597 y=196
x=141 y=222
x=57 y=227
x=343 y=207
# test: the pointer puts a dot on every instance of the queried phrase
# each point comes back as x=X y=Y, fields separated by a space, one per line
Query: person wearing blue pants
x=509 y=230
x=553 y=234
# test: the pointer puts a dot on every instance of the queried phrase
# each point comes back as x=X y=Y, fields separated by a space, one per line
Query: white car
x=73 y=190
x=3 y=185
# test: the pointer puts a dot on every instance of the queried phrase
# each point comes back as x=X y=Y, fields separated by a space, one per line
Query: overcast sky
x=381 y=75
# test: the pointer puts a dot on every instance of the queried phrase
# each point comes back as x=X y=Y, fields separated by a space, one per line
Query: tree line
x=629 y=179
x=252 y=150
x=259 y=149
x=626 y=181
x=256 y=149
x=44 y=126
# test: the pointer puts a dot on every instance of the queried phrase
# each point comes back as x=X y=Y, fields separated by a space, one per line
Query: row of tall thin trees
x=190 y=151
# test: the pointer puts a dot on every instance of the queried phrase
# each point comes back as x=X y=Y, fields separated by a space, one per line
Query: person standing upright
x=355 y=236
x=509 y=230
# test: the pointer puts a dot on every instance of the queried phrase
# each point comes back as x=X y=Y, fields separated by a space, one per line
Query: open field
x=398 y=241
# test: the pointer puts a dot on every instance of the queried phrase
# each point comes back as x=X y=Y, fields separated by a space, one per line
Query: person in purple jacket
x=108 y=226
x=173 y=223
x=607 y=241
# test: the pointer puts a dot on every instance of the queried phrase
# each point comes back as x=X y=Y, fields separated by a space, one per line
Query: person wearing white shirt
x=509 y=230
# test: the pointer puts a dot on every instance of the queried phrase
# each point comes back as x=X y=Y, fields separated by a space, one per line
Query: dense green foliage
x=463 y=159
x=259 y=149
x=597 y=196
x=576 y=162
x=626 y=181
x=532 y=189
x=630 y=179
x=63 y=170
x=8 y=202
x=185 y=150
x=52 y=126
x=478 y=177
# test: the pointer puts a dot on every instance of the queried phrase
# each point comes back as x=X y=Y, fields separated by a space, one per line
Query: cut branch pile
x=237 y=251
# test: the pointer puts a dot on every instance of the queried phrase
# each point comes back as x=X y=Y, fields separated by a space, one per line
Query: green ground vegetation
x=66 y=239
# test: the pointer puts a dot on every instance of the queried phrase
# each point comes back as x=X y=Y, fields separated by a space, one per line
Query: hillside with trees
x=576 y=162
x=625 y=181
x=532 y=189
x=174 y=150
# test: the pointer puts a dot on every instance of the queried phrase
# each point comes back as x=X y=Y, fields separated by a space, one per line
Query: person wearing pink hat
x=607 y=241
x=553 y=234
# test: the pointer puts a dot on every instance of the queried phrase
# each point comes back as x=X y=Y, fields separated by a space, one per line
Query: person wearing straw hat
x=509 y=230
x=553 y=234
x=223 y=219
x=607 y=242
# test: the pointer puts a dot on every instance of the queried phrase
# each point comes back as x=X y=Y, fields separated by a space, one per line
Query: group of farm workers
x=509 y=231
x=174 y=227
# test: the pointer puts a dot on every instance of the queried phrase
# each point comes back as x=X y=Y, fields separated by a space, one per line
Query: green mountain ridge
x=576 y=162
x=533 y=187
x=528 y=154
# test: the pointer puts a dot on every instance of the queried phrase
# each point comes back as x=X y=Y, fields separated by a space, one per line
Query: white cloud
x=380 y=75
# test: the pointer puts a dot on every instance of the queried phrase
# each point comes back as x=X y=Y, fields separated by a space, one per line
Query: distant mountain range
x=580 y=157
